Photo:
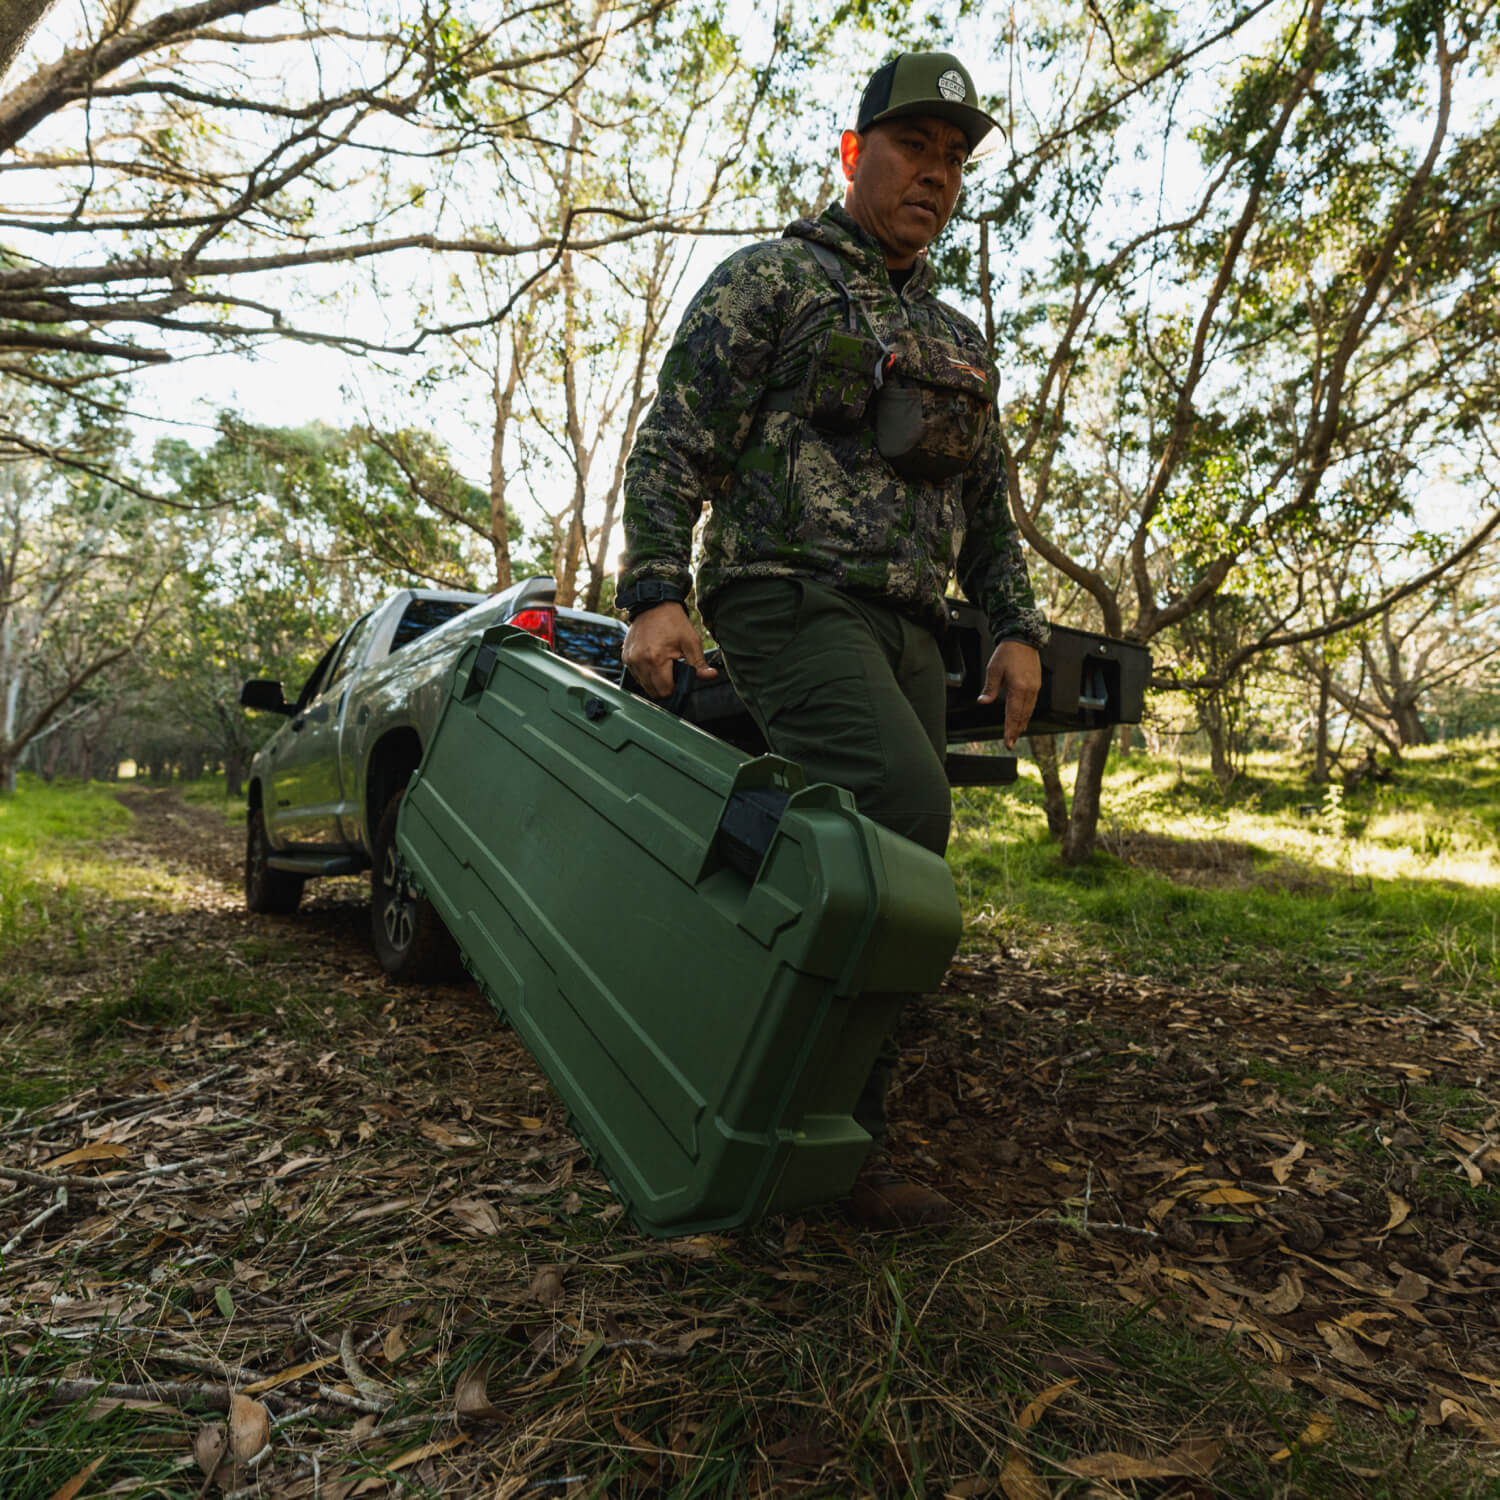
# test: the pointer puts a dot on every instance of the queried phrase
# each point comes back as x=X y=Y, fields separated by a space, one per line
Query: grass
x=212 y=791
x=68 y=910
x=165 y=992
x=43 y=1446
x=46 y=835
x=1395 y=887
x=859 y=1361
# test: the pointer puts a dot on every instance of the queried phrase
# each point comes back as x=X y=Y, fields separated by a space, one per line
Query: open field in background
x=1218 y=1109
x=1393 y=887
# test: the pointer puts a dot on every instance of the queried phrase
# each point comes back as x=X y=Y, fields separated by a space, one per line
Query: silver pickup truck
x=324 y=791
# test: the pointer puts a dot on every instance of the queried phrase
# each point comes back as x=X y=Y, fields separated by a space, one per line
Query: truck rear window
x=590 y=644
x=422 y=615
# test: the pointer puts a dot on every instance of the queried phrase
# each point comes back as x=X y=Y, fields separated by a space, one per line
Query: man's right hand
x=658 y=638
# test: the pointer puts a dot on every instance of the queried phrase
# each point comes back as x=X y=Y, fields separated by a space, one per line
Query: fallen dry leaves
x=1326 y=1229
x=226 y=1452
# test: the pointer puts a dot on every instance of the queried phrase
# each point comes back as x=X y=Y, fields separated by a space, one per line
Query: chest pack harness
x=928 y=399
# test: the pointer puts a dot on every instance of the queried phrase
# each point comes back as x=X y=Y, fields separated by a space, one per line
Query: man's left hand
x=1014 y=673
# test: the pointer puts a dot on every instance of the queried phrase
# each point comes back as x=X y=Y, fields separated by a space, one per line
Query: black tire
x=266 y=890
x=410 y=939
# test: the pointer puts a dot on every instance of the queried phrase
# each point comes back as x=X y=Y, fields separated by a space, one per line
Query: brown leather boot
x=882 y=1198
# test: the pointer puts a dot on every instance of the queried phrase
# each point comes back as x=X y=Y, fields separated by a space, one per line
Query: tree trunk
x=18 y=19
x=7 y=774
x=1409 y=725
x=566 y=563
x=1123 y=742
x=504 y=399
x=571 y=539
x=234 y=773
x=639 y=401
x=1054 y=799
x=1217 y=723
x=1083 y=823
x=1320 y=730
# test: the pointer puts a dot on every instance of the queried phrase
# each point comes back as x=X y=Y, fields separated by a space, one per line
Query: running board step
x=319 y=864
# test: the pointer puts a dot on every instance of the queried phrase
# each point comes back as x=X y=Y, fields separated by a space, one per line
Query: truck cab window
x=422 y=615
x=355 y=638
x=314 y=684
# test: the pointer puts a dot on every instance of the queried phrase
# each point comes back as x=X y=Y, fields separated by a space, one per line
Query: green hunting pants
x=855 y=694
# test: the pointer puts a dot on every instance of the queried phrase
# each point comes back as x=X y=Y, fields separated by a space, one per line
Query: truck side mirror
x=264 y=694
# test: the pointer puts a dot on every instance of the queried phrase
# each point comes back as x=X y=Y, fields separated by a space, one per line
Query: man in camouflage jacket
x=824 y=567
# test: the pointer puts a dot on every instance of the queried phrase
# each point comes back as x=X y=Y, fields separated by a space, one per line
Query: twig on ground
x=59 y=1203
x=114 y=1179
x=48 y=1179
x=1084 y=1054
x=655 y=1348
x=315 y=1340
x=82 y=1330
x=234 y=1374
x=300 y=1415
x=154 y=1100
x=373 y=1405
x=1085 y=1226
x=1421 y=1015
x=358 y=1378
x=216 y=1396
x=168 y=1168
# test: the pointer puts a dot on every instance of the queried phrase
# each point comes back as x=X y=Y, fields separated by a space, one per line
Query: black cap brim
x=975 y=124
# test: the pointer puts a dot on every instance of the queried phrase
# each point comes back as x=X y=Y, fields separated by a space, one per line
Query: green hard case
x=702 y=953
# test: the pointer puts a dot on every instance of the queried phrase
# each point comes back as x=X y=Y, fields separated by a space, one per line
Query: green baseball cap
x=925 y=83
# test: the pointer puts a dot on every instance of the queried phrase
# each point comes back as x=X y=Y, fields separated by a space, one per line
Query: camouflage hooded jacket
x=787 y=499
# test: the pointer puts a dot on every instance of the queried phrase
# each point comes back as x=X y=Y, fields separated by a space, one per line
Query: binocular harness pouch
x=932 y=404
x=931 y=397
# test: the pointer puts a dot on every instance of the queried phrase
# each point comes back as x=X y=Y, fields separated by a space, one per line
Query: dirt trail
x=323 y=947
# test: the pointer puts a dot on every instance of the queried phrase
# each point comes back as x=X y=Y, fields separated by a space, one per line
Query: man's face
x=904 y=176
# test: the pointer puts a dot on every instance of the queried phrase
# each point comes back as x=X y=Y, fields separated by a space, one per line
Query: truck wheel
x=410 y=939
x=266 y=890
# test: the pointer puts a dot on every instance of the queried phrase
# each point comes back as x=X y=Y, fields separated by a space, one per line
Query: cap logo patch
x=951 y=86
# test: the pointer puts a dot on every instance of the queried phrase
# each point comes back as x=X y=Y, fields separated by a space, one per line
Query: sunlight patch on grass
x=211 y=792
x=51 y=860
x=40 y=814
x=1278 y=882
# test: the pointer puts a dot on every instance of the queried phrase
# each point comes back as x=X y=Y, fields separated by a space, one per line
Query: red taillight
x=540 y=622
